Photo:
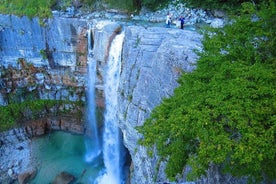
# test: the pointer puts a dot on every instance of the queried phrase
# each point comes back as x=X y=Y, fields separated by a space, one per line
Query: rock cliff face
x=153 y=59
x=39 y=62
x=47 y=61
x=51 y=60
x=54 y=42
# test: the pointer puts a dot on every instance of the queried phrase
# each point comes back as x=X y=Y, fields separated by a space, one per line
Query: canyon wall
x=153 y=59
x=48 y=60
x=40 y=60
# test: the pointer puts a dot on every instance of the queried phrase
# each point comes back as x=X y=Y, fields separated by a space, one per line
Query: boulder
x=217 y=23
x=63 y=178
x=11 y=173
x=219 y=13
x=25 y=176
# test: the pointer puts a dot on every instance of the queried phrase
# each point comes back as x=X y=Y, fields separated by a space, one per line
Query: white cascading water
x=111 y=136
x=93 y=147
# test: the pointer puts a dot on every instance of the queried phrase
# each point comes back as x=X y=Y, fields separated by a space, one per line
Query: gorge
x=50 y=62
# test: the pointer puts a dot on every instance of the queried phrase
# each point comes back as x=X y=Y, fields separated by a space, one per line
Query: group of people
x=169 y=21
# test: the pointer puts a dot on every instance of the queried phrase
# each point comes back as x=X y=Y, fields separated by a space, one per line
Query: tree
x=224 y=111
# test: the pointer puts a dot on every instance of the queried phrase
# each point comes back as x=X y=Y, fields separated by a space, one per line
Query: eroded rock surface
x=153 y=59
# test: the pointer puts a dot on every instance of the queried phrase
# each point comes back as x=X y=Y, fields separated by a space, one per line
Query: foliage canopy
x=224 y=111
x=30 y=8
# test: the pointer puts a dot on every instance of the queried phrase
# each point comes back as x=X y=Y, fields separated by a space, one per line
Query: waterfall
x=93 y=147
x=111 y=137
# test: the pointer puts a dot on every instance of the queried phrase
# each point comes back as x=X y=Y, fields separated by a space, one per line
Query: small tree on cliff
x=224 y=111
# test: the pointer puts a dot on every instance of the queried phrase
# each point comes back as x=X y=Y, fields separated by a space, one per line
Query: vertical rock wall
x=153 y=59
x=47 y=59
x=39 y=60
x=58 y=39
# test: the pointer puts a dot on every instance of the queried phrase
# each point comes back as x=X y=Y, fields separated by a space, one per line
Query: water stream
x=92 y=144
x=112 y=148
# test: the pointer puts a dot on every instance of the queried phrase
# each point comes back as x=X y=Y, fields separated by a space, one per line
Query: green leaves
x=30 y=8
x=28 y=110
x=223 y=112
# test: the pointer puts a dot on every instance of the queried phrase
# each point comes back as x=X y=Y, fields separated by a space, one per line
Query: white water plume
x=111 y=136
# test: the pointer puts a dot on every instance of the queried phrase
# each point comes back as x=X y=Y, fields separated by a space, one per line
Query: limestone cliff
x=153 y=59
x=39 y=61
x=51 y=60
x=47 y=61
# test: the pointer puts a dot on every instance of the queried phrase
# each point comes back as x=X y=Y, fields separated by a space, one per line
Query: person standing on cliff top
x=182 y=20
x=168 y=20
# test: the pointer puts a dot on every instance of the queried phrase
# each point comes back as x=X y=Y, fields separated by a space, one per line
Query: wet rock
x=25 y=176
x=39 y=78
x=217 y=23
x=63 y=178
x=11 y=173
x=219 y=13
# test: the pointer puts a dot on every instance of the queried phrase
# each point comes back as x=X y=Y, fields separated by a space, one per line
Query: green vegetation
x=42 y=8
x=223 y=112
x=126 y=5
x=30 y=8
x=43 y=53
x=131 y=5
x=219 y=4
x=15 y=113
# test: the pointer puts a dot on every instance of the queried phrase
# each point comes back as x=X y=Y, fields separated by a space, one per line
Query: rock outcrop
x=153 y=59
x=14 y=154
x=63 y=178
x=25 y=176
x=47 y=61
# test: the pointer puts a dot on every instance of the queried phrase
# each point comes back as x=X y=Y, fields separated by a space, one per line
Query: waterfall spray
x=111 y=136
x=93 y=147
